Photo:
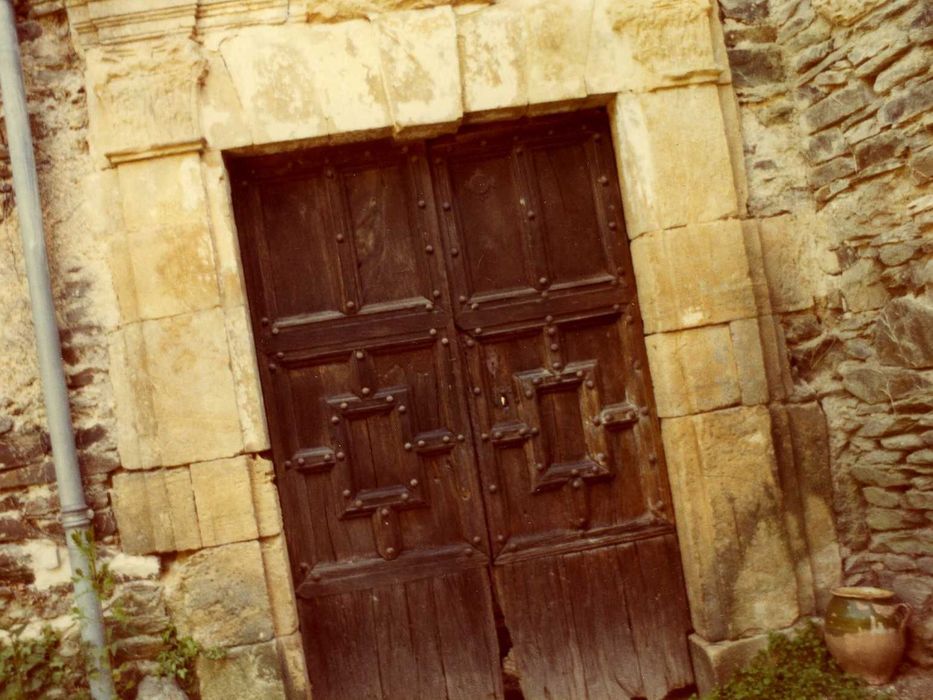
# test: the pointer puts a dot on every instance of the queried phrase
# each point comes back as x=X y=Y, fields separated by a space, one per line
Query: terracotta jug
x=865 y=631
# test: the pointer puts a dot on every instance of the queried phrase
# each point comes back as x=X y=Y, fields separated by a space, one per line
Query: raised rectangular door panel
x=371 y=434
x=455 y=378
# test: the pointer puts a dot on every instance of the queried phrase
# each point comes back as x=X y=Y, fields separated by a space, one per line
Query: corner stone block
x=673 y=158
x=714 y=663
x=222 y=119
x=265 y=497
x=421 y=67
x=253 y=671
x=219 y=596
x=223 y=494
x=693 y=276
x=703 y=369
x=737 y=558
x=192 y=390
x=137 y=429
x=642 y=45
x=492 y=44
x=279 y=582
x=155 y=511
x=246 y=380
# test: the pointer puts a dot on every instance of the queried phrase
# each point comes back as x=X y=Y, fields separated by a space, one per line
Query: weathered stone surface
x=294 y=667
x=223 y=495
x=921 y=500
x=643 y=45
x=301 y=81
x=757 y=66
x=876 y=385
x=881 y=497
x=836 y=107
x=492 y=49
x=243 y=362
x=191 y=386
x=693 y=276
x=265 y=497
x=787 y=257
x=673 y=158
x=920 y=457
x=845 y=12
x=421 y=67
x=219 y=596
x=714 y=663
x=892 y=519
x=253 y=671
x=159 y=688
x=144 y=100
x=913 y=542
x=737 y=558
x=904 y=106
x=826 y=145
x=903 y=333
x=279 y=582
x=155 y=511
x=707 y=368
x=557 y=34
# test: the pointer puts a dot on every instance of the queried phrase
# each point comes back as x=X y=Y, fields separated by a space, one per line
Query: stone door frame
x=172 y=87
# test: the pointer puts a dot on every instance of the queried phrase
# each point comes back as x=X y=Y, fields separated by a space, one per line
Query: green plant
x=179 y=654
x=39 y=667
x=800 y=668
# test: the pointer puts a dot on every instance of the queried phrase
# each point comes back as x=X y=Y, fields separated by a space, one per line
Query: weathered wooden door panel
x=578 y=643
x=569 y=454
x=455 y=378
x=426 y=638
x=371 y=433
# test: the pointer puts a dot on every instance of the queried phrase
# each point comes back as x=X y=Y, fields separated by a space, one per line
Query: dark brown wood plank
x=340 y=638
x=467 y=635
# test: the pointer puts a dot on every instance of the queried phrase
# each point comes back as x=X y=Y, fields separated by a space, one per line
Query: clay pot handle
x=904 y=610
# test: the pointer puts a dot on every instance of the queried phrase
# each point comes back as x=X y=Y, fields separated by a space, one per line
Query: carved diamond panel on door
x=569 y=452
x=366 y=406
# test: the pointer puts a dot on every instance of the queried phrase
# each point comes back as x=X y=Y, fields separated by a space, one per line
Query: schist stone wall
x=837 y=118
x=781 y=239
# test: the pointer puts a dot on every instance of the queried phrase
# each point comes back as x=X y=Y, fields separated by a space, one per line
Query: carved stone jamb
x=671 y=37
x=142 y=99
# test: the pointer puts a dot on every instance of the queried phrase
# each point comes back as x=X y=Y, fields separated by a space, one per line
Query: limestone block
x=246 y=380
x=703 y=369
x=137 y=428
x=253 y=671
x=219 y=596
x=645 y=44
x=557 y=39
x=735 y=549
x=192 y=387
x=265 y=497
x=673 y=158
x=714 y=663
x=164 y=262
x=143 y=100
x=223 y=230
x=222 y=119
x=279 y=582
x=292 y=654
x=173 y=391
x=693 y=276
x=155 y=511
x=223 y=494
x=302 y=82
x=421 y=67
x=492 y=45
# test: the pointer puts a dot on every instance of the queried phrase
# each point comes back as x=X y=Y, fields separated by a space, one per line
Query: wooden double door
x=463 y=433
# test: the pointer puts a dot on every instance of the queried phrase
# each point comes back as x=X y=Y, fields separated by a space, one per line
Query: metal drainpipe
x=76 y=519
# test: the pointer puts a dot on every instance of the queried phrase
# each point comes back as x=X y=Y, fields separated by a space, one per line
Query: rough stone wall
x=35 y=579
x=836 y=105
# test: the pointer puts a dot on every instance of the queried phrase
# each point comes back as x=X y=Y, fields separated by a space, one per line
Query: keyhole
x=503 y=400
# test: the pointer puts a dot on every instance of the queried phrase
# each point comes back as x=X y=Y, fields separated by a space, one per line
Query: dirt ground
x=914 y=684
